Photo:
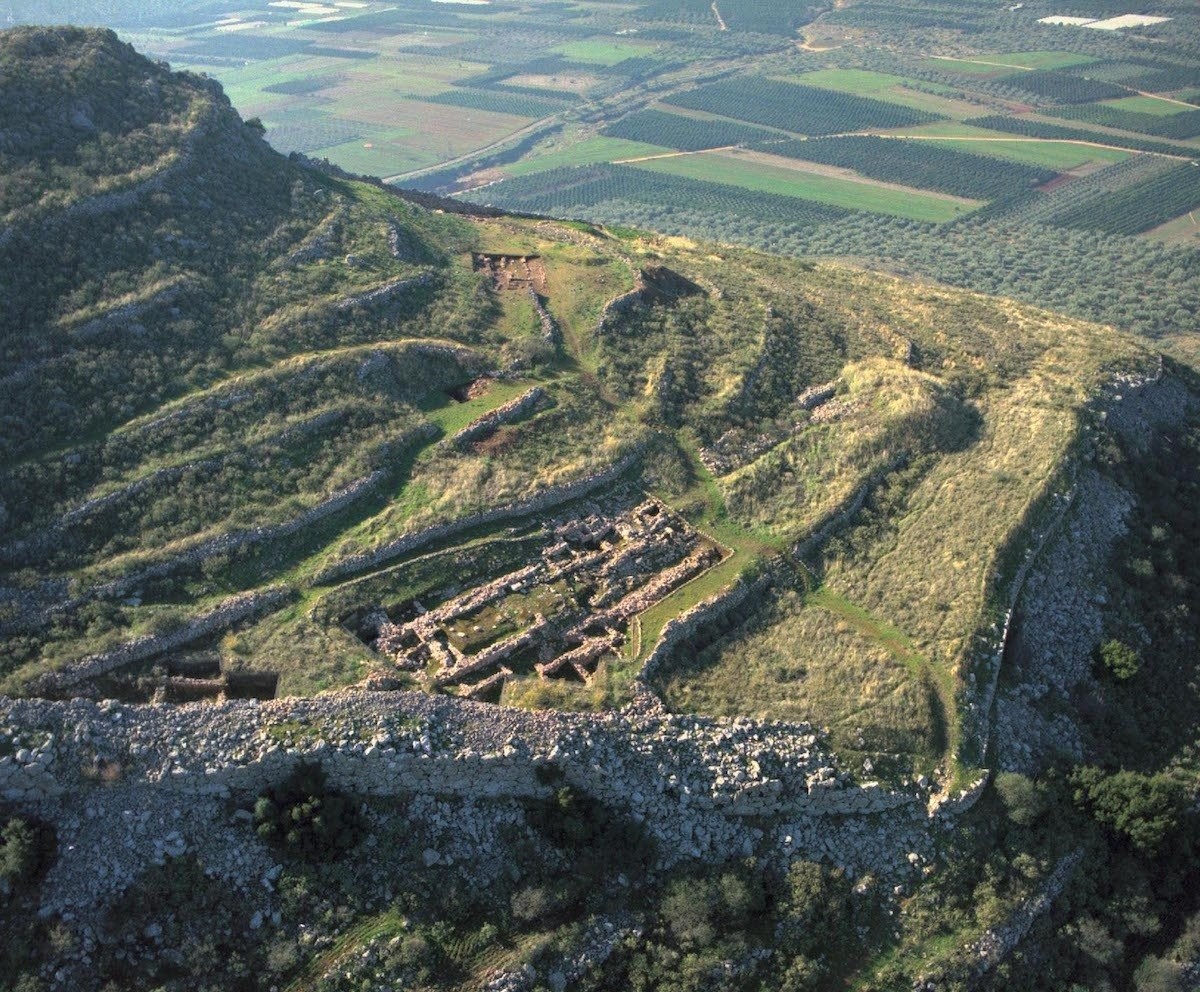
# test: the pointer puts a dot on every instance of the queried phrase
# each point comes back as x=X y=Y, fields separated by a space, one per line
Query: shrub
x=303 y=815
x=26 y=848
x=1022 y=798
x=1118 y=659
x=1145 y=809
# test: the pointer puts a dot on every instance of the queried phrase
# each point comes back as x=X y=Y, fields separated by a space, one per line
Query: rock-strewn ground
x=127 y=785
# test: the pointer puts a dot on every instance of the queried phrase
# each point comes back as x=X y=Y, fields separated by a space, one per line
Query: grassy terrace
x=704 y=506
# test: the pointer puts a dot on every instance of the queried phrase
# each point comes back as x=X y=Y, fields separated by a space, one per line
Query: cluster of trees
x=796 y=107
x=26 y=850
x=1063 y=87
x=707 y=926
x=306 y=817
x=761 y=16
x=687 y=133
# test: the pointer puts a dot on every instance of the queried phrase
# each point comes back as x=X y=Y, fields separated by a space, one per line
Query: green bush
x=1118 y=659
x=1023 y=800
x=26 y=848
x=1144 y=809
x=303 y=815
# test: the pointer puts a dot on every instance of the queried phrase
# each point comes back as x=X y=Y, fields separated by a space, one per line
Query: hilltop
x=285 y=454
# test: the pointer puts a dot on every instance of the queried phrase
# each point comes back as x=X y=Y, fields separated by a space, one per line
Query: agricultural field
x=1061 y=156
x=922 y=165
x=796 y=108
x=685 y=133
x=993 y=64
x=1140 y=207
x=586 y=152
x=933 y=98
x=742 y=172
x=1179 y=124
x=573 y=192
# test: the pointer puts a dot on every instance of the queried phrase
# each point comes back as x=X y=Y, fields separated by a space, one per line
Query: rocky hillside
x=267 y=432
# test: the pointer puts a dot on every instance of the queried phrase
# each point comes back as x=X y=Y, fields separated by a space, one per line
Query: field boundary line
x=651 y=158
x=1042 y=141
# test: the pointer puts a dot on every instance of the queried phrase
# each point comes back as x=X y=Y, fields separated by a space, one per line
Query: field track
x=1041 y=141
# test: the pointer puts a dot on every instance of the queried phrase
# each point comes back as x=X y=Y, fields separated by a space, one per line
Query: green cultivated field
x=600 y=52
x=893 y=89
x=983 y=65
x=720 y=168
x=588 y=152
x=1062 y=156
x=1040 y=60
x=1146 y=105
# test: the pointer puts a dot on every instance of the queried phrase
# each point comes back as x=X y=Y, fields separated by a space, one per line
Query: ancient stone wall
x=675 y=632
x=510 y=411
x=686 y=778
x=225 y=615
x=385 y=293
x=553 y=496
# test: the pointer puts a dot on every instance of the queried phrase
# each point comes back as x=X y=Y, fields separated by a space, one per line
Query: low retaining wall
x=221 y=617
x=510 y=411
x=419 y=539
x=676 y=631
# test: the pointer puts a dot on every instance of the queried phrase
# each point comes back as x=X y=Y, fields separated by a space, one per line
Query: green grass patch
x=1146 y=105
x=599 y=52
x=587 y=152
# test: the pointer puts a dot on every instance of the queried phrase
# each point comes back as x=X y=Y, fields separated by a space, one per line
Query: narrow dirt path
x=720 y=20
x=1043 y=141
x=651 y=158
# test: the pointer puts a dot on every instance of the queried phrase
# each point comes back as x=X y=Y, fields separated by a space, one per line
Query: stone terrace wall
x=385 y=293
x=510 y=411
x=257 y=535
x=221 y=617
x=553 y=496
x=675 y=632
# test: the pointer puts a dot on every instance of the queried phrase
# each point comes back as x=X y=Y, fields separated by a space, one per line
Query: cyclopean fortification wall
x=700 y=786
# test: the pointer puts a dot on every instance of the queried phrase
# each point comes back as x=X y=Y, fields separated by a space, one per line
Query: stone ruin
x=559 y=615
x=515 y=272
